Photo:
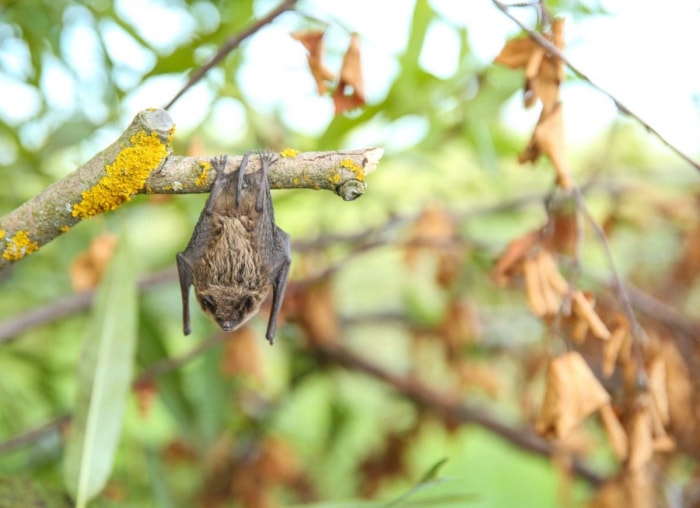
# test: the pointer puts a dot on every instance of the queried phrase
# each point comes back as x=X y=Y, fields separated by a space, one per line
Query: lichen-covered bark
x=140 y=162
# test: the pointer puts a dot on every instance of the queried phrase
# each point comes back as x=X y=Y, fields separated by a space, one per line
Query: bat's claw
x=219 y=163
x=268 y=157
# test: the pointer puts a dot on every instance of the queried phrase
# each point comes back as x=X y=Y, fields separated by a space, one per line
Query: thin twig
x=619 y=287
x=34 y=435
x=231 y=44
x=552 y=49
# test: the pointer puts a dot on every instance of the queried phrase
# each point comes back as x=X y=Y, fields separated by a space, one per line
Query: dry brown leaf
x=613 y=347
x=548 y=139
x=572 y=393
x=543 y=72
x=616 y=432
x=313 y=42
x=679 y=390
x=583 y=308
x=516 y=53
x=460 y=326
x=146 y=392
x=551 y=276
x=563 y=224
x=87 y=268
x=641 y=439
x=657 y=388
x=350 y=77
x=545 y=287
x=534 y=291
x=579 y=331
x=513 y=256
x=628 y=490
x=433 y=227
x=242 y=354
x=317 y=314
x=484 y=377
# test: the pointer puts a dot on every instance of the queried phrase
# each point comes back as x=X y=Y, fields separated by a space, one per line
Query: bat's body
x=237 y=251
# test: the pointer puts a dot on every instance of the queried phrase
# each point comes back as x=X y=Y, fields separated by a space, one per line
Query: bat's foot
x=219 y=164
x=268 y=158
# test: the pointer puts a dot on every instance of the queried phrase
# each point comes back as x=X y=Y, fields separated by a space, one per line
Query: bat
x=236 y=251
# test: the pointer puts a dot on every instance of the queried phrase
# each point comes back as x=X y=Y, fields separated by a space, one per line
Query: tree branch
x=231 y=44
x=140 y=162
x=448 y=406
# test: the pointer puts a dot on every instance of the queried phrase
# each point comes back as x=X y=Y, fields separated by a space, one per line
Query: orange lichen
x=289 y=153
x=355 y=168
x=19 y=246
x=203 y=177
x=125 y=176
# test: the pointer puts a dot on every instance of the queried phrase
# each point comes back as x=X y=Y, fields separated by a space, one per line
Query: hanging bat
x=236 y=251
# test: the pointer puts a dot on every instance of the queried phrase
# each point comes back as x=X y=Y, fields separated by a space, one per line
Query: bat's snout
x=227 y=326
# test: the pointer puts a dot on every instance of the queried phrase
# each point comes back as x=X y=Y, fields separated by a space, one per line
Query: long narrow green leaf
x=104 y=375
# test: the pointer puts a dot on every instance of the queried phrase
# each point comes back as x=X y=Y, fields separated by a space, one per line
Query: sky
x=643 y=52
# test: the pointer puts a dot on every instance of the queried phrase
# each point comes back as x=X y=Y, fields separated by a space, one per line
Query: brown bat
x=237 y=251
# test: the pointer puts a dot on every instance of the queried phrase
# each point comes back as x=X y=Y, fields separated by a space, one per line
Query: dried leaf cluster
x=349 y=91
x=630 y=373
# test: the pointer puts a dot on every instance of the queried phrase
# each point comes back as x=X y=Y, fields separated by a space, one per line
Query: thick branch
x=140 y=162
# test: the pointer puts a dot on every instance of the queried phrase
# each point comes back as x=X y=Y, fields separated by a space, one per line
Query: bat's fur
x=237 y=251
x=231 y=274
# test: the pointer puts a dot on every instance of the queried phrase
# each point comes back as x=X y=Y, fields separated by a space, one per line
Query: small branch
x=448 y=406
x=68 y=305
x=342 y=172
x=231 y=44
x=553 y=50
x=31 y=436
x=140 y=162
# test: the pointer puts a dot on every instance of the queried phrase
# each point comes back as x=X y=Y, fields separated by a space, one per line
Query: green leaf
x=104 y=377
x=433 y=471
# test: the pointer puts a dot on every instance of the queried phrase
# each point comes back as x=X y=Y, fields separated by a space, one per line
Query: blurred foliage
x=401 y=277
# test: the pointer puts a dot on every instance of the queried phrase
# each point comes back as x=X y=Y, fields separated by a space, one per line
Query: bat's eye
x=208 y=304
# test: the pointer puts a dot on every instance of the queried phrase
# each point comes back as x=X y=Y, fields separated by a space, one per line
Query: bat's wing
x=279 y=271
x=184 y=271
x=201 y=238
x=274 y=245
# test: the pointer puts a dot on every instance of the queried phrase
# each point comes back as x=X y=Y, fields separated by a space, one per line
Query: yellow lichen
x=125 y=176
x=289 y=153
x=335 y=179
x=2 y=234
x=355 y=168
x=19 y=246
x=203 y=177
x=65 y=229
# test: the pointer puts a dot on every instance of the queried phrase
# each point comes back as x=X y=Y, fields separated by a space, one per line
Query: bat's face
x=228 y=307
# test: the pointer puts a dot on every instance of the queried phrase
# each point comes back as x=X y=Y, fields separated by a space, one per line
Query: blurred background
x=400 y=277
